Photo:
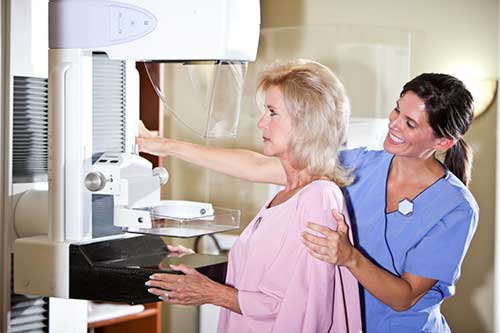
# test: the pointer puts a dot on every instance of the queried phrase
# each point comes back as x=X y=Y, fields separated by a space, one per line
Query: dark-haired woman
x=413 y=215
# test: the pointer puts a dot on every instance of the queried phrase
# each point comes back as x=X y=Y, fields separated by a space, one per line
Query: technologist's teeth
x=395 y=138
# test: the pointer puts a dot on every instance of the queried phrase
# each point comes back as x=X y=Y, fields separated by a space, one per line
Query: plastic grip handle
x=58 y=86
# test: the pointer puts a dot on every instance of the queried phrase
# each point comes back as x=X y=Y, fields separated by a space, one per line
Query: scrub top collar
x=415 y=198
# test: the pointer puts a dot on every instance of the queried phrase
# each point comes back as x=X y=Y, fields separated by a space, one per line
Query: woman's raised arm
x=240 y=163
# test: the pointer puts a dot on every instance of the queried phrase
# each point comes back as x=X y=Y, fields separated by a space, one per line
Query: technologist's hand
x=192 y=288
x=149 y=142
x=332 y=246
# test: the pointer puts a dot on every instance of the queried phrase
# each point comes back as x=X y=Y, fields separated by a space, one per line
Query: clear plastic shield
x=220 y=219
x=204 y=96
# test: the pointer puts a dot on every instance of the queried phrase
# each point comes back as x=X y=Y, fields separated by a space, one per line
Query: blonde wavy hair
x=320 y=110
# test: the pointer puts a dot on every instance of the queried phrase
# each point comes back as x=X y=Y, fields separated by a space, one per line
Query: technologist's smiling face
x=275 y=123
x=410 y=134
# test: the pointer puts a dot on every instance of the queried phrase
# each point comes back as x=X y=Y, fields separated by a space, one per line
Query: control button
x=116 y=14
x=129 y=23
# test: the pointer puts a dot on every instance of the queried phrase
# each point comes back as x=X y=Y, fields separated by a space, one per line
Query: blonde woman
x=273 y=284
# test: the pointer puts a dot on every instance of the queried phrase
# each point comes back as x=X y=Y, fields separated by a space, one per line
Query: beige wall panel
x=454 y=36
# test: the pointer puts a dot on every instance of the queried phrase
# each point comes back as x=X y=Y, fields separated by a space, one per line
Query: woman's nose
x=262 y=122
x=393 y=121
x=393 y=125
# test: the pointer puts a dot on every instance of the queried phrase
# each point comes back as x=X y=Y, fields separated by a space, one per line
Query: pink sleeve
x=261 y=305
x=314 y=300
x=320 y=297
x=311 y=277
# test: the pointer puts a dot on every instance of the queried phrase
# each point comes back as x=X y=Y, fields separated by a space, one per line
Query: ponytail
x=458 y=160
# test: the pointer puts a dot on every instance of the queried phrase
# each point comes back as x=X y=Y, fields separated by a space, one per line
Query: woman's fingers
x=323 y=250
x=164 y=277
x=325 y=246
x=341 y=225
x=158 y=292
x=166 y=285
x=192 y=288
x=313 y=239
x=164 y=295
x=320 y=256
x=324 y=230
x=142 y=131
x=184 y=269
x=172 y=282
x=179 y=249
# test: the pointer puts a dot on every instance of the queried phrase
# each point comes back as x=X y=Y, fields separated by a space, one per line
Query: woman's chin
x=270 y=152
x=389 y=147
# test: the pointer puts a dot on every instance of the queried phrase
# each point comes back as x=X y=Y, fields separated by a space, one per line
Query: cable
x=212 y=237
x=385 y=222
x=387 y=243
x=434 y=287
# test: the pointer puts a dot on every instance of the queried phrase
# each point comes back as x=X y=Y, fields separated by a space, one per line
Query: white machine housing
x=158 y=30
x=133 y=182
x=148 y=30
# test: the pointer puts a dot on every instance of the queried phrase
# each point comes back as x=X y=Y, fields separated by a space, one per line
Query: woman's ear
x=444 y=144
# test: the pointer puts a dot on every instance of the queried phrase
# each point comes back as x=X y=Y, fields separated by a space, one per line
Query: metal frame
x=5 y=166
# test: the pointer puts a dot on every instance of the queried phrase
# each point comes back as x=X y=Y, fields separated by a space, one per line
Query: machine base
x=116 y=270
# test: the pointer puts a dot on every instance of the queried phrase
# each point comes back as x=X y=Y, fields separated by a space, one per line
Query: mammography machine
x=94 y=193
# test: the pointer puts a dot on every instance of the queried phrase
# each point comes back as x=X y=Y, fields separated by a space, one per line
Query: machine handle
x=162 y=173
x=57 y=111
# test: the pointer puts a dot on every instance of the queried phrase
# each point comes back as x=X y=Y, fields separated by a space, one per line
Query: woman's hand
x=192 y=288
x=143 y=132
x=178 y=251
x=149 y=142
x=400 y=293
x=334 y=247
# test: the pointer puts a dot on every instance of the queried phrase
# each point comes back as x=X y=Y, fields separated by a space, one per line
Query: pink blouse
x=281 y=287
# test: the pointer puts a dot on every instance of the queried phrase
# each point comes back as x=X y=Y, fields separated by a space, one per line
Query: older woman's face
x=410 y=134
x=276 y=124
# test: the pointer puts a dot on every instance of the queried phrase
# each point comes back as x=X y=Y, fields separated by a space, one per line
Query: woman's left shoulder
x=323 y=191
x=322 y=186
x=316 y=201
x=460 y=193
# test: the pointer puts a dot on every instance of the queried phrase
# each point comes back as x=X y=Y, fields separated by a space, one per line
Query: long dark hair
x=450 y=110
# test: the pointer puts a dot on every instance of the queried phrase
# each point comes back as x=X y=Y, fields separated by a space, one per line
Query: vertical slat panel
x=30 y=128
x=109 y=105
x=28 y=314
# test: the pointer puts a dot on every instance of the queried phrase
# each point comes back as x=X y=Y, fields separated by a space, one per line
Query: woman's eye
x=396 y=110
x=272 y=113
x=410 y=124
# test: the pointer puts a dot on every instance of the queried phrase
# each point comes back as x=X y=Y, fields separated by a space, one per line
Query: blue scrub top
x=431 y=242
